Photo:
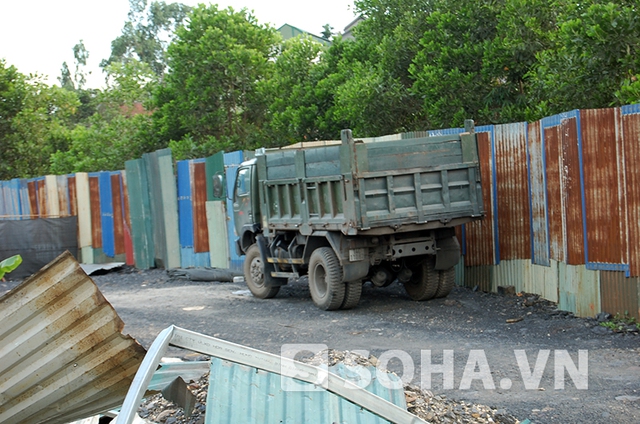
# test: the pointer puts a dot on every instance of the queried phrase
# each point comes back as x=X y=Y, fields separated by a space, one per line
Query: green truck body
x=355 y=212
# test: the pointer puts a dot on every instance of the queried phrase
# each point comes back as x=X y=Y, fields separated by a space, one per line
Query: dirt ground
x=500 y=345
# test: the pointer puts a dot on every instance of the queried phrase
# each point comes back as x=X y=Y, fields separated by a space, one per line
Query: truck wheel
x=352 y=293
x=446 y=282
x=424 y=283
x=254 y=274
x=325 y=279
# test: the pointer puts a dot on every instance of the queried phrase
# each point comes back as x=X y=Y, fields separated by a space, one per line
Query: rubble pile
x=422 y=403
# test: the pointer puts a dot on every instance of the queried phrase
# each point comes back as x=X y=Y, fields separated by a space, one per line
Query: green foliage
x=622 y=323
x=9 y=264
x=216 y=63
x=147 y=33
x=593 y=59
x=37 y=126
x=117 y=131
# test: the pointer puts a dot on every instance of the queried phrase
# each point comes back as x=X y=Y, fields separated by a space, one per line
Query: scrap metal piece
x=178 y=392
x=62 y=355
x=243 y=355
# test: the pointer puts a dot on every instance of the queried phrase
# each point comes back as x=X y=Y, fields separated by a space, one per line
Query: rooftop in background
x=347 y=34
x=289 y=31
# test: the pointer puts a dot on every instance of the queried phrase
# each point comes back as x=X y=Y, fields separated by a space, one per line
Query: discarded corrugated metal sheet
x=259 y=360
x=62 y=357
x=230 y=384
x=620 y=294
x=91 y=268
x=169 y=371
x=192 y=215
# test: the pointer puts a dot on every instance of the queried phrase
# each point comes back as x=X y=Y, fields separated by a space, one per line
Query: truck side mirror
x=218 y=185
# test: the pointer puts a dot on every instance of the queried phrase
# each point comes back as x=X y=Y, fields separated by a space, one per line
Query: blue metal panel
x=185 y=214
x=25 y=205
x=630 y=109
x=242 y=394
x=494 y=190
x=14 y=193
x=232 y=161
x=106 y=213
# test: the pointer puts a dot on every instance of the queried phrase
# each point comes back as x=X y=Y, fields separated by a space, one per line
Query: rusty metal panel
x=118 y=213
x=601 y=186
x=32 y=187
x=572 y=192
x=538 y=196
x=620 y=294
x=199 y=199
x=128 y=240
x=512 y=191
x=552 y=136
x=73 y=198
x=43 y=211
x=63 y=356
x=96 y=216
x=64 y=207
x=479 y=235
x=631 y=159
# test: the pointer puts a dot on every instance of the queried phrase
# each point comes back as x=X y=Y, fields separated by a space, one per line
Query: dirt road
x=513 y=352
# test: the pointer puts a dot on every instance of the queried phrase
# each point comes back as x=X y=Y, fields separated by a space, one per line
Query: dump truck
x=355 y=212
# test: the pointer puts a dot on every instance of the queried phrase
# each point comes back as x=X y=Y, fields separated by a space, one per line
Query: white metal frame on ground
x=179 y=337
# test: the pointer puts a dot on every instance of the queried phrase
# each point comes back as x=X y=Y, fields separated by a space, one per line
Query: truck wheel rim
x=256 y=271
x=320 y=281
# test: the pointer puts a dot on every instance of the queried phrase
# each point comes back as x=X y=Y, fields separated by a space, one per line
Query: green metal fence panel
x=217 y=224
x=140 y=212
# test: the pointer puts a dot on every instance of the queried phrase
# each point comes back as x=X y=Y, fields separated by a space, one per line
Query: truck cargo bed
x=376 y=187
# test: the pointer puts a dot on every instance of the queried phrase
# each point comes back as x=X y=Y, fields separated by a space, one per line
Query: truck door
x=242 y=205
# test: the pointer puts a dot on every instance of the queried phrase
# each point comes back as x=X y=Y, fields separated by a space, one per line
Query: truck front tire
x=254 y=274
x=325 y=279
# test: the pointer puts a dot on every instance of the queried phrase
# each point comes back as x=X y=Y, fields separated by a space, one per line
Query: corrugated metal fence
x=562 y=197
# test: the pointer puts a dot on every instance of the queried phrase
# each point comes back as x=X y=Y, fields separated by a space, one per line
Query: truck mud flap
x=448 y=253
x=269 y=280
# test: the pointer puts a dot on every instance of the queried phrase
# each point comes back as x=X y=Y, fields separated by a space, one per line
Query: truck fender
x=447 y=253
x=247 y=238
x=269 y=280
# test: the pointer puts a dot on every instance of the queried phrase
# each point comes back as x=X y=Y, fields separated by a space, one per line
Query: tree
x=147 y=33
x=215 y=65
x=118 y=130
x=40 y=126
x=594 y=60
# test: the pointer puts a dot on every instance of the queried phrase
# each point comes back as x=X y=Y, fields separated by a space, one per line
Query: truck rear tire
x=254 y=274
x=424 y=282
x=446 y=282
x=325 y=279
x=353 y=291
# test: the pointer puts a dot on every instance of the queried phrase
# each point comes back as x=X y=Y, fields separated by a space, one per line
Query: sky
x=36 y=36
